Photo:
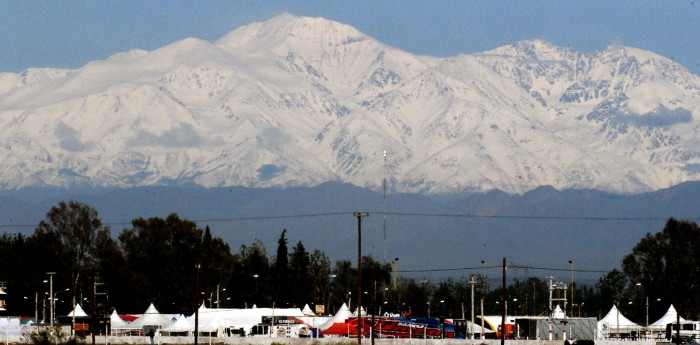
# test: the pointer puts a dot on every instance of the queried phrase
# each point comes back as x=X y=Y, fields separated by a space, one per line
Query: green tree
x=75 y=225
x=218 y=264
x=320 y=274
x=611 y=287
x=301 y=281
x=255 y=275
x=412 y=297
x=111 y=270
x=666 y=265
x=282 y=293
x=344 y=285
x=161 y=254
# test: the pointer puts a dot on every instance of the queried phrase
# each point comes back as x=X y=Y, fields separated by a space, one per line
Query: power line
x=533 y=217
x=507 y=266
x=400 y=214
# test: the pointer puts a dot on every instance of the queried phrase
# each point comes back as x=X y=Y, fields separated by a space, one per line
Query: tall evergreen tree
x=320 y=273
x=281 y=272
x=257 y=275
x=301 y=280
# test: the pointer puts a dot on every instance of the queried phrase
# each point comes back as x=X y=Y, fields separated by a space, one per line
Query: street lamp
x=55 y=296
x=218 y=296
x=256 y=282
x=639 y=286
x=394 y=268
x=329 y=289
x=571 y=262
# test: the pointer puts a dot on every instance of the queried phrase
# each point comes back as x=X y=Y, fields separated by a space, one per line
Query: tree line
x=178 y=266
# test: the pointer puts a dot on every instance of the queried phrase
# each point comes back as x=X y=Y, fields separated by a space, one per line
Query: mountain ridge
x=298 y=101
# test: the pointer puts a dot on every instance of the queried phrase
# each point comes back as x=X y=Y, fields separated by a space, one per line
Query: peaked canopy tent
x=340 y=317
x=181 y=327
x=116 y=321
x=77 y=312
x=151 y=318
x=671 y=316
x=218 y=320
x=614 y=324
x=117 y=325
x=558 y=313
x=307 y=311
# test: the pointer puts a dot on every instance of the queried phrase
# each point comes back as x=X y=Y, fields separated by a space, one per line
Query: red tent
x=348 y=328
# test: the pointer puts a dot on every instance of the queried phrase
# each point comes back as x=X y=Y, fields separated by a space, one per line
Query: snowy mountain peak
x=291 y=31
x=297 y=101
x=532 y=50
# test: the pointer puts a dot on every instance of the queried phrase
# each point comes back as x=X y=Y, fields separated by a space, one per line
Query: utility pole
x=196 y=304
x=51 y=302
x=471 y=326
x=394 y=269
x=36 y=307
x=505 y=307
x=384 y=184
x=359 y=216
x=572 y=287
x=94 y=307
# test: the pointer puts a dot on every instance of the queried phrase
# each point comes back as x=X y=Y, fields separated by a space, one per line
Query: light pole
x=330 y=294
x=51 y=303
x=572 y=287
x=55 y=297
x=218 y=296
x=211 y=294
x=646 y=327
x=394 y=268
x=255 y=296
x=359 y=216
x=384 y=187
x=471 y=326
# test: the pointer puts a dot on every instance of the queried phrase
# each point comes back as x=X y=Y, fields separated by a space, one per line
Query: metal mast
x=384 y=184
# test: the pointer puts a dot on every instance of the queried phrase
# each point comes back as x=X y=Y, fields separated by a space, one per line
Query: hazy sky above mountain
x=70 y=33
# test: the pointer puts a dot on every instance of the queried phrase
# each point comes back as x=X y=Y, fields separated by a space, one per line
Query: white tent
x=181 y=325
x=343 y=314
x=118 y=326
x=616 y=323
x=475 y=328
x=213 y=320
x=77 y=312
x=558 y=313
x=150 y=318
x=117 y=322
x=307 y=311
x=671 y=316
x=211 y=326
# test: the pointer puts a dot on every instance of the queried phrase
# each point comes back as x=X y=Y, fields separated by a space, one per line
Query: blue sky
x=70 y=33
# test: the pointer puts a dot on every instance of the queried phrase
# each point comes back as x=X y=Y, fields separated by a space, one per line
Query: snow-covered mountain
x=298 y=101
